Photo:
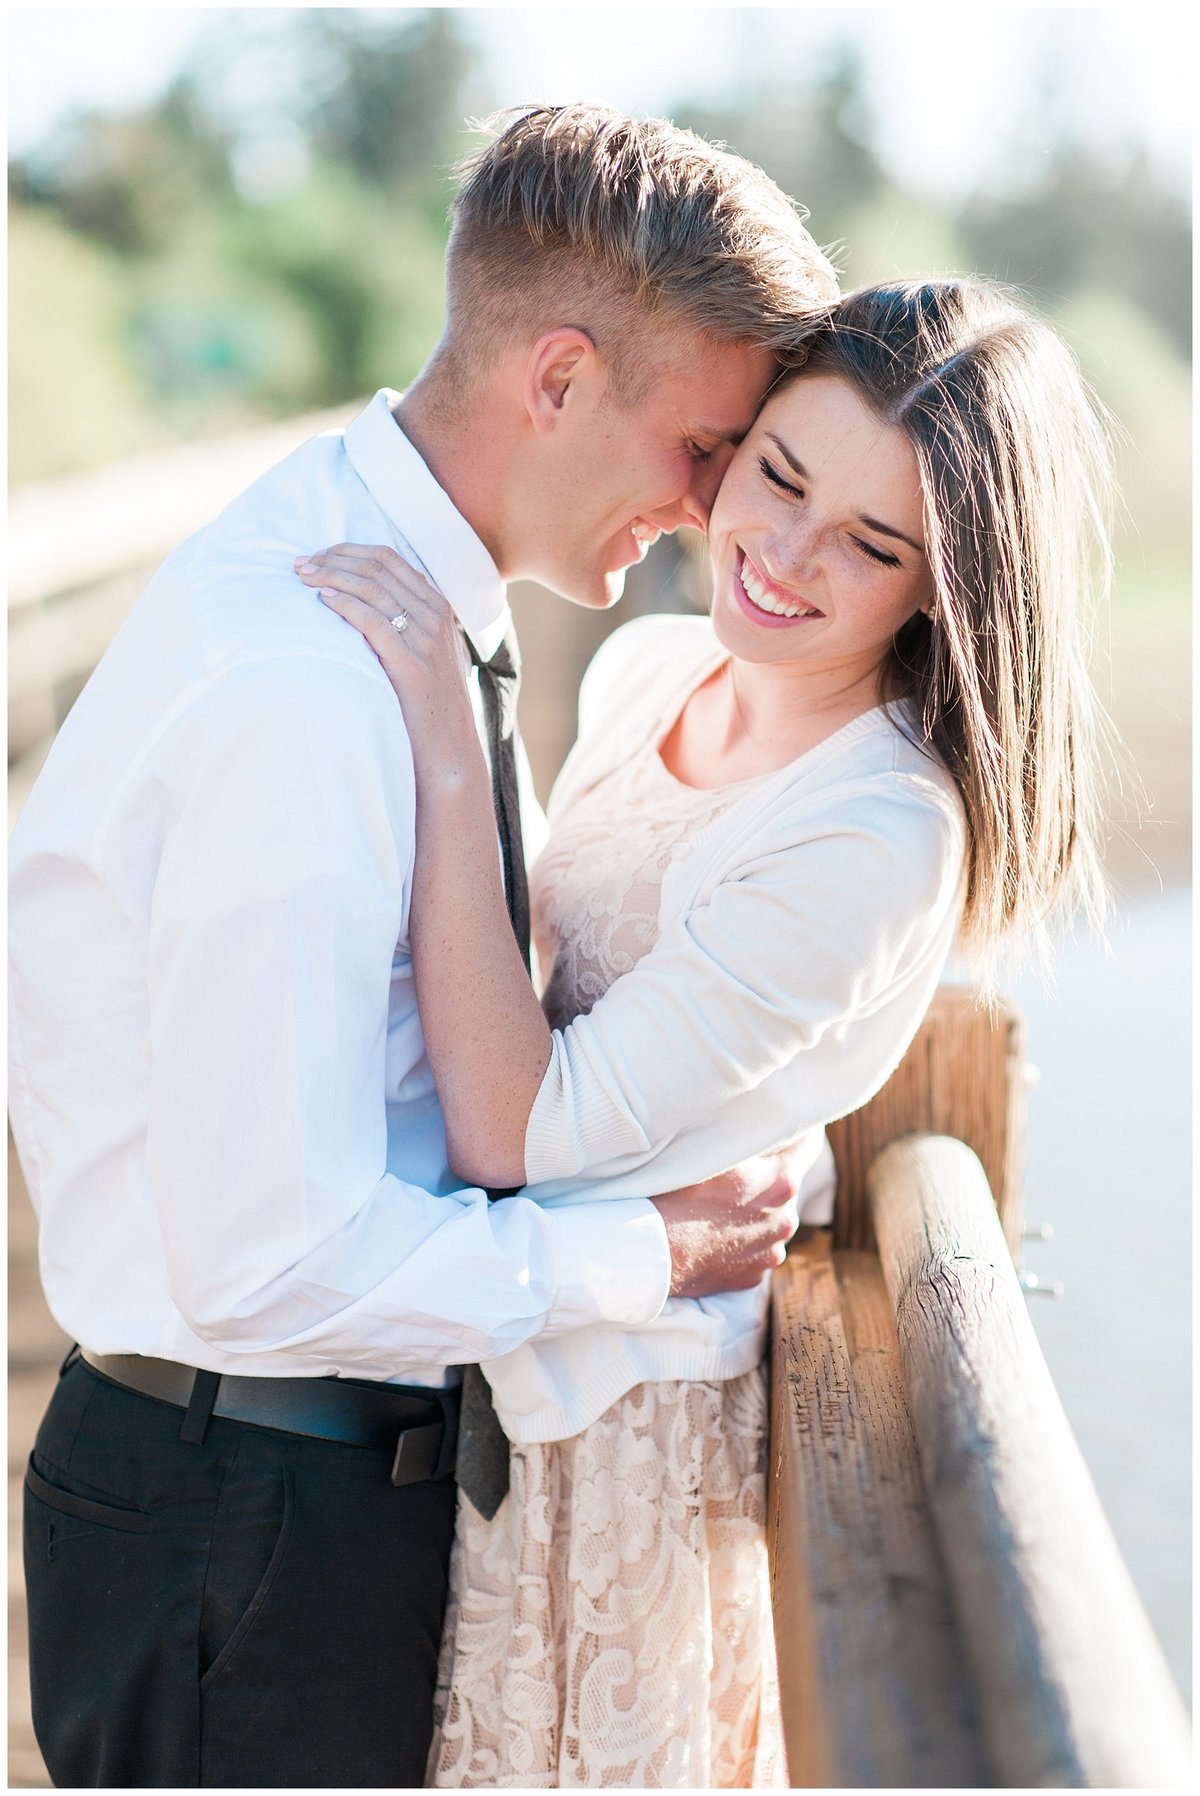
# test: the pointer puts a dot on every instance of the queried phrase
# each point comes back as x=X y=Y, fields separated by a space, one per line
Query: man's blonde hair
x=577 y=215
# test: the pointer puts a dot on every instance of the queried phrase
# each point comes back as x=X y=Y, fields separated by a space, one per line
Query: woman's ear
x=562 y=369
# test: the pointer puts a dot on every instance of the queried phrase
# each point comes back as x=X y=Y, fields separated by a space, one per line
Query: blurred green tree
x=129 y=181
x=387 y=95
x=811 y=130
x=1084 y=225
x=1066 y=209
x=268 y=235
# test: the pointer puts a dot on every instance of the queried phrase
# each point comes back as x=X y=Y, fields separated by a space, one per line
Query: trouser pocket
x=249 y=1547
x=124 y=1517
x=109 y=1703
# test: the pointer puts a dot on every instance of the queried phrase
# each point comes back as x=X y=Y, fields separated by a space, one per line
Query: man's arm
x=277 y=906
x=279 y=898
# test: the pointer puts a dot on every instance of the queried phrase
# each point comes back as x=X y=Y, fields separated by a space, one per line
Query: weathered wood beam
x=962 y=1076
x=1074 y=1689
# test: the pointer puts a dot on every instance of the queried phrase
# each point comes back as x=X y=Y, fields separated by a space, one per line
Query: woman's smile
x=849 y=477
x=765 y=602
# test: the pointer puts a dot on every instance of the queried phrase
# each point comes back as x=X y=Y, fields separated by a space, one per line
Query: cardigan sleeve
x=781 y=961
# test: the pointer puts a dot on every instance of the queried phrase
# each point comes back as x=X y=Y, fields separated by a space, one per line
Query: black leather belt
x=421 y=1426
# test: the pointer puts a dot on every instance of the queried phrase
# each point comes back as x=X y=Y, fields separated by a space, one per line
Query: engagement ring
x=399 y=623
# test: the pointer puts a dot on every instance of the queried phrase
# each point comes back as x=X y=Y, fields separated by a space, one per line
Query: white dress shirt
x=220 y=1093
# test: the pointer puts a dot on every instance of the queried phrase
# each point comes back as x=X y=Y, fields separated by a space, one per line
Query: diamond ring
x=399 y=623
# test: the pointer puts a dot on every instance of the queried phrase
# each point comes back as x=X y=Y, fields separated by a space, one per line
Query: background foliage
x=267 y=236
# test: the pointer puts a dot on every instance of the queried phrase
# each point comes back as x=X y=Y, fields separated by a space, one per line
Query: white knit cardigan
x=800 y=940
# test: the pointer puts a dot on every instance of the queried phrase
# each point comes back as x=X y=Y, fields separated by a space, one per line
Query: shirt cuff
x=614 y=1264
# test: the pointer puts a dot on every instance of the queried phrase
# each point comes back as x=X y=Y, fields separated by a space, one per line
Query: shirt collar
x=434 y=534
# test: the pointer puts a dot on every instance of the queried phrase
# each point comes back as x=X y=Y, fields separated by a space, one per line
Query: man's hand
x=726 y=1233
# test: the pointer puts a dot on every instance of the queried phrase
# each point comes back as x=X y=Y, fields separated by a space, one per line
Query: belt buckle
x=447 y=1453
x=414 y=1459
x=398 y=1467
x=413 y=1462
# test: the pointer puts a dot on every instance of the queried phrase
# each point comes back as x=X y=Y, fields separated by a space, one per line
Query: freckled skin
x=806 y=537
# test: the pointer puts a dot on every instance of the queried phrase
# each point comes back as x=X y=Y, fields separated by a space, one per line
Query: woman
x=761 y=849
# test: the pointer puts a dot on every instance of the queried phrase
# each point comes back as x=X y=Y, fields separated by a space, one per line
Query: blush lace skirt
x=610 y=1628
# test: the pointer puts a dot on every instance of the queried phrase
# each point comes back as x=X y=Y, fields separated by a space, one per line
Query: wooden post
x=962 y=1076
x=1072 y=1683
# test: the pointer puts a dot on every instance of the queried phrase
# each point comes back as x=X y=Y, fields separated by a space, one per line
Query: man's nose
x=697 y=502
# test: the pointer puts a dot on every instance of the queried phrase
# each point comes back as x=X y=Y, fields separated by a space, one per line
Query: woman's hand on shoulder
x=415 y=635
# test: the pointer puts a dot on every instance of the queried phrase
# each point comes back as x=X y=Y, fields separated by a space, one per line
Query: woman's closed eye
x=776 y=479
x=879 y=556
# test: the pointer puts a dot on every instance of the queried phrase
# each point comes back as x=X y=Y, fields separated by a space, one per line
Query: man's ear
x=561 y=369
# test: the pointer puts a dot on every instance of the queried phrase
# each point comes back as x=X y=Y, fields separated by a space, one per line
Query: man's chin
x=614 y=587
x=597 y=593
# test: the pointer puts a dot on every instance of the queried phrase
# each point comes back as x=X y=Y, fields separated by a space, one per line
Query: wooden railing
x=950 y=1605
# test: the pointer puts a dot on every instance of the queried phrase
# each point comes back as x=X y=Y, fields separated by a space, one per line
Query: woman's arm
x=786 y=958
x=485 y=1032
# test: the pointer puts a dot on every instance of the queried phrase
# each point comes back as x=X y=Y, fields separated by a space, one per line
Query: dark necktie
x=499 y=684
x=482 y=1443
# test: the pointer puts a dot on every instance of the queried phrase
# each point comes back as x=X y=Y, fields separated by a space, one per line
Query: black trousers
x=259 y=1610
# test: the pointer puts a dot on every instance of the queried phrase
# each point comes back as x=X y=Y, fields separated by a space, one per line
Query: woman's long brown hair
x=1015 y=462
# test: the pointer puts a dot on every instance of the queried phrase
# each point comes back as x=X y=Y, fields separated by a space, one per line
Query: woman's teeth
x=766 y=601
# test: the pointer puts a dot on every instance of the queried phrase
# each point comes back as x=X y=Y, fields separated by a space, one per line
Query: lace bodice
x=596 y=888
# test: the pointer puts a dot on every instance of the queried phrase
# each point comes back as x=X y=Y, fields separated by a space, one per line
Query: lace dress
x=611 y=1626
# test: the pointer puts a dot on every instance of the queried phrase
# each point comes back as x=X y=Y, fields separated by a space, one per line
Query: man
x=239 y=1508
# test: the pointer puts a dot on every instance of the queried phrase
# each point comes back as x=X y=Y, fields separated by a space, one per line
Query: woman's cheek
x=730 y=505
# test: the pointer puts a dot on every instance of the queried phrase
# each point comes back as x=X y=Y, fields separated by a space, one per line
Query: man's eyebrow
x=799 y=468
x=723 y=433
